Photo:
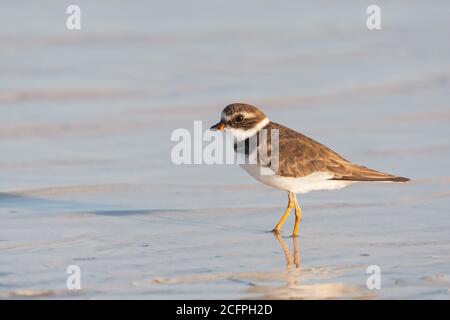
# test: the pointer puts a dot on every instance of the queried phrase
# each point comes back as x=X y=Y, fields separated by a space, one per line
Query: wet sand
x=86 y=176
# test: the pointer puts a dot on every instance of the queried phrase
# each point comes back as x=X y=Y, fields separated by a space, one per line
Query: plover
x=303 y=164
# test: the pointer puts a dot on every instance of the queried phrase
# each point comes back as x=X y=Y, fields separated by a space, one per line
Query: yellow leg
x=298 y=216
x=286 y=213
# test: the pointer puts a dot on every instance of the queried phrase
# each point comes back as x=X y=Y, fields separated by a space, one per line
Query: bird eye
x=239 y=118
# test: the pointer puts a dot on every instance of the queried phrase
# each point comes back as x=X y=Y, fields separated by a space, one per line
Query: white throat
x=241 y=134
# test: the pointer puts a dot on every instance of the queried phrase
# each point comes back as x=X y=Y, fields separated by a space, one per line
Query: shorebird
x=303 y=164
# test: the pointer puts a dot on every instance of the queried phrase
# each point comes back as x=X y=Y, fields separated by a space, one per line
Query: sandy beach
x=86 y=176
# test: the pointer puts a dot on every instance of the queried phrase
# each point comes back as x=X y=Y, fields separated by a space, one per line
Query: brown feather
x=300 y=156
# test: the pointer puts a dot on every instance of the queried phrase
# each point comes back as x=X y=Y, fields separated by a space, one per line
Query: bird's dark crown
x=241 y=116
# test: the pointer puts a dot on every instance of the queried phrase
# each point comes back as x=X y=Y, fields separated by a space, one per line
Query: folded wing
x=300 y=156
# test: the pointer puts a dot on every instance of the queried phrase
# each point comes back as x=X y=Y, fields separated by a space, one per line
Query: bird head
x=241 y=120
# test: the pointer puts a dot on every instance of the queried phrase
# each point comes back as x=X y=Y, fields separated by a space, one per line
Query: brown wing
x=300 y=156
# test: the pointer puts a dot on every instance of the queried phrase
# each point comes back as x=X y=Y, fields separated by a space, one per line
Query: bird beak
x=219 y=126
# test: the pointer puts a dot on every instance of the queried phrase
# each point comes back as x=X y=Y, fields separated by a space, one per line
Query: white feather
x=314 y=181
x=241 y=134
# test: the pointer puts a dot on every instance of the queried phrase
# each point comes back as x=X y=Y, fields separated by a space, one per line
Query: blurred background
x=85 y=121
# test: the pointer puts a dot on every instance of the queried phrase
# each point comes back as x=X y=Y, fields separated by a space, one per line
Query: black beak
x=218 y=126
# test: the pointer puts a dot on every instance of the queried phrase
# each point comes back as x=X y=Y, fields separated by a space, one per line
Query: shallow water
x=85 y=170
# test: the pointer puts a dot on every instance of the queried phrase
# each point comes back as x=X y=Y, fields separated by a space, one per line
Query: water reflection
x=306 y=283
x=291 y=282
x=291 y=259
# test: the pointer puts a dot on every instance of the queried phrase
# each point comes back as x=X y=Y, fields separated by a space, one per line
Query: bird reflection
x=291 y=259
x=312 y=282
x=294 y=284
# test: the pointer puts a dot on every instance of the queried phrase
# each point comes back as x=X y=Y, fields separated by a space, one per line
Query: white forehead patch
x=224 y=117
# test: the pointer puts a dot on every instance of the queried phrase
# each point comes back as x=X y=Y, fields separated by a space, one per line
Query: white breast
x=314 y=181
